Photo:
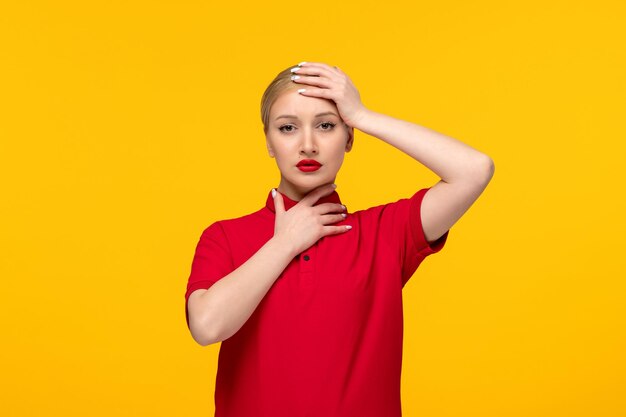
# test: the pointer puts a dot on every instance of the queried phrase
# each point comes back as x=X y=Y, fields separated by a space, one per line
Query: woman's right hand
x=304 y=224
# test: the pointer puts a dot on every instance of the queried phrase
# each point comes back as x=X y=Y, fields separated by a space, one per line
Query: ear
x=269 y=148
x=350 y=140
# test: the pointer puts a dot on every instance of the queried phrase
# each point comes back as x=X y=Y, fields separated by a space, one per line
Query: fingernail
x=302 y=90
x=334 y=185
x=344 y=215
x=302 y=63
x=273 y=193
x=348 y=227
x=295 y=77
x=344 y=207
x=294 y=69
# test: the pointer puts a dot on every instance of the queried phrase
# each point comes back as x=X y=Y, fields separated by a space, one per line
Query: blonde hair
x=278 y=86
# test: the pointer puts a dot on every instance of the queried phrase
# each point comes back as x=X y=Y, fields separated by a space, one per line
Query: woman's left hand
x=335 y=85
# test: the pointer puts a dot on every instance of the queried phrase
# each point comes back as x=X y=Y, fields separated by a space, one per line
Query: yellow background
x=126 y=128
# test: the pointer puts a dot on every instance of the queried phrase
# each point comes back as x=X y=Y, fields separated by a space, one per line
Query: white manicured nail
x=294 y=69
x=295 y=77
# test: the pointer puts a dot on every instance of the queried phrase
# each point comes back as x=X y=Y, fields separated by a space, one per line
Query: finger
x=316 y=69
x=279 y=206
x=317 y=193
x=321 y=65
x=333 y=218
x=316 y=92
x=335 y=230
x=312 y=80
x=326 y=208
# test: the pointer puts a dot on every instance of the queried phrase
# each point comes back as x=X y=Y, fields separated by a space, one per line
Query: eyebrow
x=290 y=116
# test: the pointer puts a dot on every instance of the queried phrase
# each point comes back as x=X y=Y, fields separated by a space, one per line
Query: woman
x=305 y=296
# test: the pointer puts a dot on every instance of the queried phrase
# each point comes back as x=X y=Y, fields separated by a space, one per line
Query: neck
x=293 y=192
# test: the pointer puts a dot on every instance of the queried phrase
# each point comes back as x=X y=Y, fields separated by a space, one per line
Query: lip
x=308 y=168
x=309 y=162
x=308 y=165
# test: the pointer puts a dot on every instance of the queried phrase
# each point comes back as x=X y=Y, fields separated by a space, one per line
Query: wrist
x=361 y=118
x=283 y=246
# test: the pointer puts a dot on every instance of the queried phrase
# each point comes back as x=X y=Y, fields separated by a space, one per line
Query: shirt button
x=306 y=257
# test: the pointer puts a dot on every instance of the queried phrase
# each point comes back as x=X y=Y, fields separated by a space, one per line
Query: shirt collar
x=289 y=203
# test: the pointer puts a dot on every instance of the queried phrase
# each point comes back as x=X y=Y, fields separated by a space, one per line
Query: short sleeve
x=401 y=224
x=211 y=262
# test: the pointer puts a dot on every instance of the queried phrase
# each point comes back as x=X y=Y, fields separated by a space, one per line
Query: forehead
x=292 y=102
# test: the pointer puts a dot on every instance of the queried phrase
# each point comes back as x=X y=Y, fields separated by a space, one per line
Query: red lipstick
x=308 y=165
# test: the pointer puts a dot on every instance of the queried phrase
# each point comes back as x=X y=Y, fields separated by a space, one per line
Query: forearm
x=451 y=159
x=230 y=302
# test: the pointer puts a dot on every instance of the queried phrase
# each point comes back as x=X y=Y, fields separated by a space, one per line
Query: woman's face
x=297 y=131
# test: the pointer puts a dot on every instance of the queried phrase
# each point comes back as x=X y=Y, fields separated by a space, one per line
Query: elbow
x=203 y=331
x=205 y=341
x=203 y=323
x=484 y=170
x=477 y=172
x=490 y=169
x=203 y=335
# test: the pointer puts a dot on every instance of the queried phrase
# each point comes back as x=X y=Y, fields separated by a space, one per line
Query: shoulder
x=242 y=231
x=237 y=222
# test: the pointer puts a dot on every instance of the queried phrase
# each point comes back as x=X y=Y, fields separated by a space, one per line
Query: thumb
x=279 y=205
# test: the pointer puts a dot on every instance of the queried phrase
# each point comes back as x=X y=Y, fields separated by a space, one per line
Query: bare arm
x=219 y=312
x=465 y=172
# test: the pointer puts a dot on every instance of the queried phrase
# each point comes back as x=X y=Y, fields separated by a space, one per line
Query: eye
x=290 y=128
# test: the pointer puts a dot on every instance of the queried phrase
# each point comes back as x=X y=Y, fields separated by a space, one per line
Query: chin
x=309 y=183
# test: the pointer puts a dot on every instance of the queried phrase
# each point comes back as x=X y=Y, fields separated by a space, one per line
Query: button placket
x=308 y=259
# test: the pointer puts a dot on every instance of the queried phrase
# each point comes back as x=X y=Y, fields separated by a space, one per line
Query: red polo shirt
x=326 y=340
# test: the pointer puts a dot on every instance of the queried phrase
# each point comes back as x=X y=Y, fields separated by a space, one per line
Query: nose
x=308 y=145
